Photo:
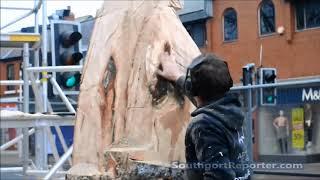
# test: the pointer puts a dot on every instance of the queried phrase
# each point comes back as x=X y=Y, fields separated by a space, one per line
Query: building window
x=230 y=25
x=267 y=17
x=197 y=31
x=10 y=75
x=307 y=14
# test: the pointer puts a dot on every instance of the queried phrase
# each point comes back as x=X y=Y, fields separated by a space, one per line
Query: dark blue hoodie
x=215 y=143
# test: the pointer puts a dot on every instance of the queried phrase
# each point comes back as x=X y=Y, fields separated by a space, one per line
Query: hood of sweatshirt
x=227 y=110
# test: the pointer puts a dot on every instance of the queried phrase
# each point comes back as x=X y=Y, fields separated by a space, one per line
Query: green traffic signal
x=70 y=80
x=270 y=99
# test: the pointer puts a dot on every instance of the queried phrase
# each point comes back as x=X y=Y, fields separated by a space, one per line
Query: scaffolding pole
x=25 y=141
x=62 y=95
x=65 y=156
x=14 y=82
x=15 y=140
x=41 y=158
x=36 y=30
x=56 y=68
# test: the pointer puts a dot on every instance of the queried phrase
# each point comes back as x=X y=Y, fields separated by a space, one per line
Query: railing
x=248 y=98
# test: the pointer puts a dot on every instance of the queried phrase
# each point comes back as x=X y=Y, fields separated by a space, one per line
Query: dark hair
x=211 y=79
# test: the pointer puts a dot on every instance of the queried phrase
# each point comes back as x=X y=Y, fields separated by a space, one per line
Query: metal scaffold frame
x=34 y=123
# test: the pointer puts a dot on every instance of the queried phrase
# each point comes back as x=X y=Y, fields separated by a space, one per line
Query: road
x=19 y=176
x=281 y=177
x=16 y=176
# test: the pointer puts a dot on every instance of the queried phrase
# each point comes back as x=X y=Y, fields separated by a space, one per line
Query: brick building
x=234 y=33
x=9 y=70
x=294 y=50
x=10 y=64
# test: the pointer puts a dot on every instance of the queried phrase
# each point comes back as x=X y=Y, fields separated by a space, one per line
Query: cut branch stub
x=110 y=75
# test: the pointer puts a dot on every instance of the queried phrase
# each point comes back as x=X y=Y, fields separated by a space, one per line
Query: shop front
x=290 y=130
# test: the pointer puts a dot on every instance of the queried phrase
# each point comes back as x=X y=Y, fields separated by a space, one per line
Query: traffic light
x=248 y=74
x=66 y=50
x=268 y=96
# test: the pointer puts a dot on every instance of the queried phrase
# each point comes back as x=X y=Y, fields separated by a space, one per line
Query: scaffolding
x=40 y=122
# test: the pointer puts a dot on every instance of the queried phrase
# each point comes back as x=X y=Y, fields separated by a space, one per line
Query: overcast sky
x=79 y=8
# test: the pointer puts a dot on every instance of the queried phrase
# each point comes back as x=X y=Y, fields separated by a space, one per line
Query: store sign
x=299 y=95
x=297 y=128
x=310 y=94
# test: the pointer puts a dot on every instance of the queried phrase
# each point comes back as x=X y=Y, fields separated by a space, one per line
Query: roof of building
x=84 y=18
x=7 y=54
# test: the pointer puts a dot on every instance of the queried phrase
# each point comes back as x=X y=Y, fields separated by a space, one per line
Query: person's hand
x=168 y=68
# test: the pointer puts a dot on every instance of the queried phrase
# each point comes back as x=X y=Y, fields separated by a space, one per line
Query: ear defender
x=190 y=84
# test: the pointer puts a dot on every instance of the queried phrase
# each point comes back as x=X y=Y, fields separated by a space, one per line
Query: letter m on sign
x=306 y=96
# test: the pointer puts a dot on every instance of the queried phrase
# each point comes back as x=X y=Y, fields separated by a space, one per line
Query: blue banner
x=299 y=95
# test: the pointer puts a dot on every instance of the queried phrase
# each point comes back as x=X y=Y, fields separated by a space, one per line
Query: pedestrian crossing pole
x=247 y=79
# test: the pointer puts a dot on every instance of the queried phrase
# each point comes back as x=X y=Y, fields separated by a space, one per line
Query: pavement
x=308 y=172
x=17 y=176
x=282 y=177
x=308 y=169
x=10 y=158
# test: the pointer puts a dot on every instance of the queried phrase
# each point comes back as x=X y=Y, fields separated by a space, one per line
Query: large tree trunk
x=123 y=105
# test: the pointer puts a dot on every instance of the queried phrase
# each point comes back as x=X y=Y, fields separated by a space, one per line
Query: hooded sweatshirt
x=215 y=143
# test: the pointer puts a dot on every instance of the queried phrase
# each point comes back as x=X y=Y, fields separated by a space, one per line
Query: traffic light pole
x=247 y=80
x=249 y=125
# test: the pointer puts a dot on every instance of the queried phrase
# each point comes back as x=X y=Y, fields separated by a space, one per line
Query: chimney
x=71 y=16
